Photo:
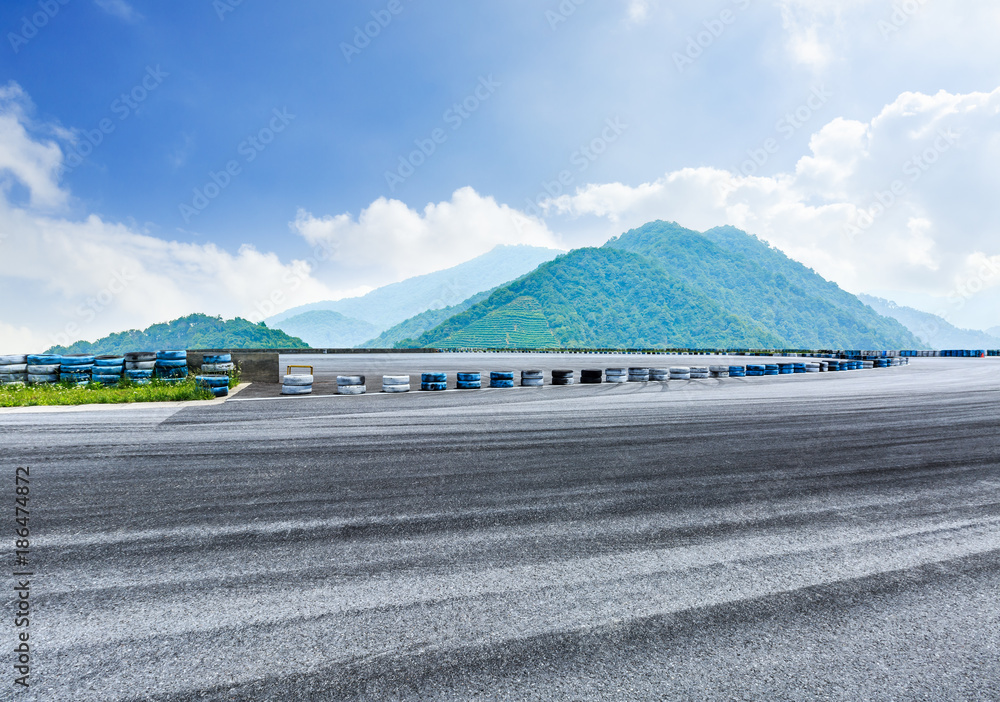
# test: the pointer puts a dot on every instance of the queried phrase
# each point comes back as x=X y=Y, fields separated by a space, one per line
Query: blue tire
x=139 y=374
x=217 y=358
x=469 y=384
x=44 y=359
x=109 y=361
x=168 y=363
x=469 y=377
x=76 y=370
x=220 y=391
x=501 y=383
x=105 y=378
x=433 y=377
x=77 y=360
x=212 y=381
x=437 y=387
x=502 y=375
x=171 y=356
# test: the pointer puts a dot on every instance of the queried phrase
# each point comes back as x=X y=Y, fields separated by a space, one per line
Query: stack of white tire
x=297 y=385
x=638 y=375
x=659 y=374
x=719 y=371
x=680 y=373
x=813 y=367
x=394 y=383
x=13 y=369
x=351 y=385
x=700 y=372
x=532 y=379
x=615 y=375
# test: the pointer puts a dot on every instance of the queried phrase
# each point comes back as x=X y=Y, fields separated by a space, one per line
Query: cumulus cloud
x=389 y=241
x=903 y=201
x=24 y=159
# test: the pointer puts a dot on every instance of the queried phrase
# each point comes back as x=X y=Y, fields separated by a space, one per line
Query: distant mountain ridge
x=934 y=330
x=664 y=286
x=391 y=304
x=195 y=331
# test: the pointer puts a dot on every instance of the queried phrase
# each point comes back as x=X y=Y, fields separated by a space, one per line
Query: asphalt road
x=832 y=536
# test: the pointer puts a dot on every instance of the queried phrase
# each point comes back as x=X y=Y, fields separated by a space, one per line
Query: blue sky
x=675 y=110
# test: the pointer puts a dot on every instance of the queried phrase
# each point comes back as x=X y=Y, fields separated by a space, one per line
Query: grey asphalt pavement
x=810 y=537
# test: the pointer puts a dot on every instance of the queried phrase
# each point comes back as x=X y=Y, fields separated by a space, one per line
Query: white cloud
x=639 y=10
x=388 y=241
x=904 y=201
x=118 y=8
x=35 y=164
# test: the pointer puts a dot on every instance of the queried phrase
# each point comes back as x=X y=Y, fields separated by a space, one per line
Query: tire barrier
x=218 y=385
x=139 y=376
x=171 y=366
x=755 y=370
x=771 y=369
x=591 y=377
x=217 y=367
x=140 y=365
x=798 y=367
x=501 y=379
x=211 y=358
x=13 y=369
x=737 y=372
x=11 y=359
x=292 y=384
x=434 y=382
x=700 y=372
x=785 y=369
x=532 y=379
x=42 y=378
x=638 y=375
x=76 y=368
x=140 y=356
x=562 y=377
x=615 y=375
x=812 y=367
x=719 y=371
x=395 y=383
x=351 y=385
x=659 y=374
x=469 y=381
x=680 y=373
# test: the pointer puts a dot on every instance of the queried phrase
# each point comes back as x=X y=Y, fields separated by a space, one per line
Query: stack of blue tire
x=218 y=385
x=13 y=369
x=434 y=381
x=502 y=379
x=76 y=368
x=108 y=369
x=737 y=372
x=139 y=366
x=469 y=381
x=771 y=369
x=785 y=369
x=43 y=368
x=217 y=363
x=171 y=366
x=755 y=370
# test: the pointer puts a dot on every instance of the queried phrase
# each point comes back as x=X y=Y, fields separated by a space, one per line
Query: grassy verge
x=94 y=393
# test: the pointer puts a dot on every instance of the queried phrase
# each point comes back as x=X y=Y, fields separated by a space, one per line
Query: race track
x=831 y=536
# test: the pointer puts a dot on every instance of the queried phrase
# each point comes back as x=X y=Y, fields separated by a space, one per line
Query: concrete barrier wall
x=255 y=366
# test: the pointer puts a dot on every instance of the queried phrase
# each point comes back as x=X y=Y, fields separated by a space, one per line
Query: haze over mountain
x=932 y=329
x=662 y=285
x=386 y=306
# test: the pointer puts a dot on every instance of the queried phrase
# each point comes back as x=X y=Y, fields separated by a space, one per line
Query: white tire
x=43 y=377
x=350 y=380
x=532 y=382
x=14 y=368
x=298 y=380
x=140 y=365
x=296 y=389
x=616 y=379
x=395 y=380
x=42 y=369
x=217 y=367
x=13 y=359
x=351 y=389
x=396 y=388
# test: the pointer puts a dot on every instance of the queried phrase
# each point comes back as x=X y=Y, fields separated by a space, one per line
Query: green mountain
x=664 y=286
x=327 y=329
x=392 y=304
x=196 y=331
x=403 y=333
x=937 y=332
x=752 y=280
x=597 y=298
